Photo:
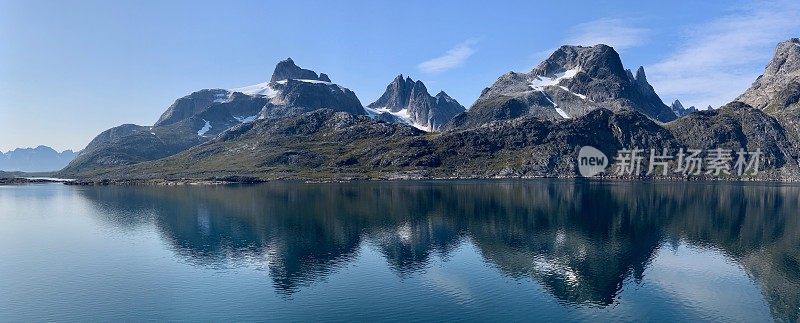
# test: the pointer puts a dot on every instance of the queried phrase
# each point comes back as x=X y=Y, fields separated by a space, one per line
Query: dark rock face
x=325 y=144
x=736 y=126
x=424 y=111
x=777 y=91
x=39 y=159
x=396 y=96
x=679 y=110
x=190 y=105
x=573 y=81
x=286 y=69
x=297 y=97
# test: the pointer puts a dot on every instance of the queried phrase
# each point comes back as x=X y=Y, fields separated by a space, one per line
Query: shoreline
x=257 y=180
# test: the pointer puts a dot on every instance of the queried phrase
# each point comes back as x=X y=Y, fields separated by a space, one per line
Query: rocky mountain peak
x=677 y=105
x=571 y=82
x=324 y=77
x=408 y=101
x=781 y=75
x=640 y=76
x=594 y=60
x=287 y=69
x=681 y=111
x=419 y=89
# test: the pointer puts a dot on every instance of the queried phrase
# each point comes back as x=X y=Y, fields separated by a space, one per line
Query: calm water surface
x=471 y=250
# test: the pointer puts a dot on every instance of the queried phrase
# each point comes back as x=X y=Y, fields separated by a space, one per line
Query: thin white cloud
x=617 y=33
x=716 y=61
x=453 y=58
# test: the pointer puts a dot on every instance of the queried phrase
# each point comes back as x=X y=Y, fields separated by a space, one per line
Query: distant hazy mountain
x=408 y=101
x=39 y=159
x=680 y=111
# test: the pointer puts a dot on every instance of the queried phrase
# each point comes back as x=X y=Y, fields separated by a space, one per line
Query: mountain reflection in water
x=581 y=241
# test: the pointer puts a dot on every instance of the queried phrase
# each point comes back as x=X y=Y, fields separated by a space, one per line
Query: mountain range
x=39 y=159
x=301 y=125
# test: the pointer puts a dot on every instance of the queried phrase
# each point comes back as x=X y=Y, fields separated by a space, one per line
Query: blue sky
x=71 y=69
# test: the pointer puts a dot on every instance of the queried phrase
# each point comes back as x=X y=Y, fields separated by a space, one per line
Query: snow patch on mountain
x=260 y=89
x=306 y=81
x=222 y=97
x=560 y=111
x=573 y=93
x=313 y=82
x=540 y=82
x=246 y=119
x=205 y=128
x=403 y=115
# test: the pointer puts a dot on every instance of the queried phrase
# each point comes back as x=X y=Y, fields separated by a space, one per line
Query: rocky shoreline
x=237 y=180
x=21 y=180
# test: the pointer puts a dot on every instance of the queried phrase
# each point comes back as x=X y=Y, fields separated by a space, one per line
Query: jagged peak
x=677 y=104
x=640 y=75
x=791 y=41
x=585 y=58
x=324 y=77
x=419 y=87
x=287 y=69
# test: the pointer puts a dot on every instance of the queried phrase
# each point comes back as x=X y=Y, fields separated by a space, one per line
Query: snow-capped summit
x=572 y=82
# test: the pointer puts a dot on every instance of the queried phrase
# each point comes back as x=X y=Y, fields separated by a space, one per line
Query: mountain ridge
x=523 y=125
x=409 y=102
x=35 y=159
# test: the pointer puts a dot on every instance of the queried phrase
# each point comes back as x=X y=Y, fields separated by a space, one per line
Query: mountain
x=202 y=115
x=572 y=82
x=408 y=101
x=679 y=110
x=525 y=125
x=776 y=88
x=39 y=159
x=735 y=126
x=777 y=91
x=325 y=144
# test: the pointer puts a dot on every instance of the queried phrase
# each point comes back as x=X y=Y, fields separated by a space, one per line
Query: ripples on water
x=480 y=250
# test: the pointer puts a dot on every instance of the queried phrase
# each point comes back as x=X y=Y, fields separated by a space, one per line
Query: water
x=412 y=251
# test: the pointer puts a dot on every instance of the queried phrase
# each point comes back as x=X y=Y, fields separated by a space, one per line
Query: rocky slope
x=408 y=101
x=737 y=126
x=572 y=82
x=777 y=91
x=324 y=144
